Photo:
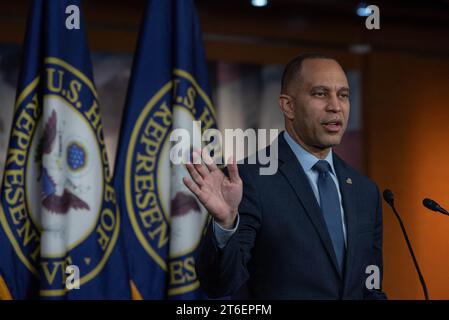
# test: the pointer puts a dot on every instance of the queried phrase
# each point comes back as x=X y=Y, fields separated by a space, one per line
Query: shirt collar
x=305 y=158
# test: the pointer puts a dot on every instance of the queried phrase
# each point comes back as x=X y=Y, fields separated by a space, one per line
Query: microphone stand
x=415 y=262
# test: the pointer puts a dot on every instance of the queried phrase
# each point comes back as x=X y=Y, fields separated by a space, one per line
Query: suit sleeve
x=223 y=271
x=377 y=257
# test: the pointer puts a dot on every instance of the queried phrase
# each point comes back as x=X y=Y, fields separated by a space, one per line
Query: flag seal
x=156 y=199
x=55 y=160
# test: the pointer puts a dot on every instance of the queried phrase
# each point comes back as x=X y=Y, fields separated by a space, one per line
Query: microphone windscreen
x=430 y=204
x=388 y=196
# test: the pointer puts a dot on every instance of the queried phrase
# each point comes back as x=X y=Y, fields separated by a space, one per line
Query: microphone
x=434 y=206
x=389 y=198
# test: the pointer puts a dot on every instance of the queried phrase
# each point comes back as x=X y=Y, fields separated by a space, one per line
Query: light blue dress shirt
x=307 y=161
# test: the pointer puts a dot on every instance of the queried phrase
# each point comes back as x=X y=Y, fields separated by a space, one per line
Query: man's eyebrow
x=322 y=87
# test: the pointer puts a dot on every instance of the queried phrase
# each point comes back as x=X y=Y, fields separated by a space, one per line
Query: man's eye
x=344 y=96
x=319 y=94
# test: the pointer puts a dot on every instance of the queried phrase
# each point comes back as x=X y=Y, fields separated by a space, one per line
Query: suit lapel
x=348 y=191
x=295 y=175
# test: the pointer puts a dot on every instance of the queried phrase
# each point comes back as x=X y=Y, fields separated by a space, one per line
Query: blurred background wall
x=399 y=76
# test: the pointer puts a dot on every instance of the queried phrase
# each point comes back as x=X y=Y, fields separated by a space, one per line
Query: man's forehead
x=323 y=72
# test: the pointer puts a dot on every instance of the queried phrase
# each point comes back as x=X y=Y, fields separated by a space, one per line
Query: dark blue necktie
x=330 y=207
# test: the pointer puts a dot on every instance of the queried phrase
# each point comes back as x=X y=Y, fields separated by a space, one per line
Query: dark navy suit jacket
x=282 y=249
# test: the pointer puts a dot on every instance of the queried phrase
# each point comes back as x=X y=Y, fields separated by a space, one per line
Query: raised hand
x=219 y=194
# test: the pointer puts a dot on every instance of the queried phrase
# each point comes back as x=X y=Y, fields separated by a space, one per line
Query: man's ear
x=286 y=105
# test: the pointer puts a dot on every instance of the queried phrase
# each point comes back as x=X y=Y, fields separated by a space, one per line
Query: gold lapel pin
x=349 y=181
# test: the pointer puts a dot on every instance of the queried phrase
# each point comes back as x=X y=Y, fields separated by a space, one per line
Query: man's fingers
x=209 y=161
x=201 y=195
x=194 y=174
x=198 y=165
x=192 y=186
x=233 y=170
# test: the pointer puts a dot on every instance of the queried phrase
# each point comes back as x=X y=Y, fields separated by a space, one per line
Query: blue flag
x=169 y=89
x=60 y=223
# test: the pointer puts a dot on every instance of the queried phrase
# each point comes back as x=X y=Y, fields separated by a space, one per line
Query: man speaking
x=312 y=229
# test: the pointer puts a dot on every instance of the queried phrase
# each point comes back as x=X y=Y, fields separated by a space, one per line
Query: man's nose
x=334 y=104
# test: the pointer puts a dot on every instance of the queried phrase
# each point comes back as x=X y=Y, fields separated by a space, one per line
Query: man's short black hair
x=293 y=68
